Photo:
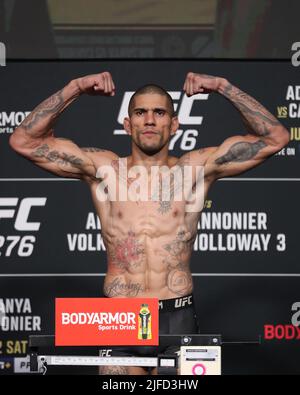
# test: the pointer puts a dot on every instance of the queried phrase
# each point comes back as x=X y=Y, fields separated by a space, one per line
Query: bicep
x=238 y=154
x=61 y=157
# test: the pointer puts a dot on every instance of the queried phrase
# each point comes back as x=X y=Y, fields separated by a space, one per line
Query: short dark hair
x=152 y=88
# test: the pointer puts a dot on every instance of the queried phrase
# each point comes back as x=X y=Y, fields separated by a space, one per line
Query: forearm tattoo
x=241 y=152
x=258 y=119
x=50 y=107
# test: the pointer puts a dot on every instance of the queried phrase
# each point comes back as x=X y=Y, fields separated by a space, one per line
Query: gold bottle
x=144 y=331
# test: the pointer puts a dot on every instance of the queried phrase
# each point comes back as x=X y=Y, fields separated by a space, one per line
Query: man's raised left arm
x=266 y=135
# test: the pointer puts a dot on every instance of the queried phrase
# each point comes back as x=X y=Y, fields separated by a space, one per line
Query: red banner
x=106 y=321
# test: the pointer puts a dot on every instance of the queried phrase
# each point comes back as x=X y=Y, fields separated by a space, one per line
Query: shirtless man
x=149 y=243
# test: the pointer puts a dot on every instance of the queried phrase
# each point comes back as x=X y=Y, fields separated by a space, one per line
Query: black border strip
x=243 y=60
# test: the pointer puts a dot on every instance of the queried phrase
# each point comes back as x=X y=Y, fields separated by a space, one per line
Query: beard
x=152 y=146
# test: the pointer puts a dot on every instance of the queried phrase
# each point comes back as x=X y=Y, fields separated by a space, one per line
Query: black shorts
x=176 y=316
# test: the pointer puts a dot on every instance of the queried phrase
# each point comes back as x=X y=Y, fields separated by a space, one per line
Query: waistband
x=177 y=303
x=173 y=304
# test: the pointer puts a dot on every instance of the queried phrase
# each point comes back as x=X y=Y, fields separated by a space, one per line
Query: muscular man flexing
x=148 y=242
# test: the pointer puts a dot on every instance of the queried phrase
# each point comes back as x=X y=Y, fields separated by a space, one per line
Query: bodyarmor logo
x=13 y=118
x=285 y=331
x=2 y=54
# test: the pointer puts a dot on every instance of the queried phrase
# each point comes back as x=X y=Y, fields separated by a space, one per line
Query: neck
x=138 y=157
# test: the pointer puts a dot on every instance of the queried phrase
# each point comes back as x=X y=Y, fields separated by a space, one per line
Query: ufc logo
x=22 y=213
x=184 y=110
x=105 y=353
x=2 y=54
x=183 y=301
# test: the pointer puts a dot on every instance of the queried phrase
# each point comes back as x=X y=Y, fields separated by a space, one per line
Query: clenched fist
x=97 y=84
x=201 y=83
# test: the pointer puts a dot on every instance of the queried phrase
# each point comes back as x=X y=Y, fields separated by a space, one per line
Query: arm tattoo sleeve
x=60 y=158
x=257 y=118
x=241 y=152
x=52 y=107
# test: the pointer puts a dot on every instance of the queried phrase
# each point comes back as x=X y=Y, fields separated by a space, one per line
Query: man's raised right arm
x=35 y=140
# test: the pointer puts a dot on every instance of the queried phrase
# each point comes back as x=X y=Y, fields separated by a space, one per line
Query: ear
x=174 y=125
x=127 y=125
